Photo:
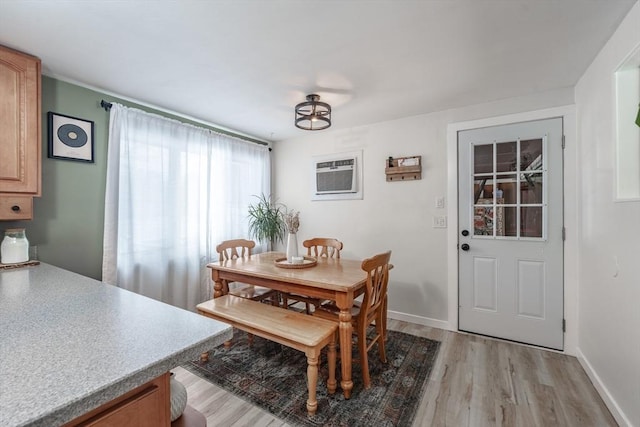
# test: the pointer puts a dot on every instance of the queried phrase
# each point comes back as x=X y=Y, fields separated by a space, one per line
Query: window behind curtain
x=174 y=191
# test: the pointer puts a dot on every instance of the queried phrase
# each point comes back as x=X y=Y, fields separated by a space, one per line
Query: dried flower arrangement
x=292 y=221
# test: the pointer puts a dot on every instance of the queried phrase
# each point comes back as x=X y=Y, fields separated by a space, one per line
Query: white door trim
x=570 y=212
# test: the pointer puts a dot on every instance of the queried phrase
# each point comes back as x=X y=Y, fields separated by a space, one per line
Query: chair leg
x=380 y=330
x=364 y=360
x=384 y=318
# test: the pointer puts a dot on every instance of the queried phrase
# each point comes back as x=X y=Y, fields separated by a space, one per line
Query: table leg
x=345 y=331
x=217 y=284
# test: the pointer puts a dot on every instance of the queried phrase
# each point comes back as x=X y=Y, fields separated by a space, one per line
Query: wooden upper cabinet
x=20 y=130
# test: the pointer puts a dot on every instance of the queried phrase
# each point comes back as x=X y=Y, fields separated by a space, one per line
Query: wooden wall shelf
x=404 y=168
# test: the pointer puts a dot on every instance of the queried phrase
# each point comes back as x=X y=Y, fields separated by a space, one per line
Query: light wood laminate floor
x=475 y=381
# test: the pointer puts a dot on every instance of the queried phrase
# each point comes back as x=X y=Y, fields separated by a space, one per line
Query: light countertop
x=69 y=343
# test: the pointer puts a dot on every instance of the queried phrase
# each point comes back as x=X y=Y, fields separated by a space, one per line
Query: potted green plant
x=266 y=221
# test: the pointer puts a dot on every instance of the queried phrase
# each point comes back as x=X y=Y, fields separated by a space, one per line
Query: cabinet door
x=20 y=131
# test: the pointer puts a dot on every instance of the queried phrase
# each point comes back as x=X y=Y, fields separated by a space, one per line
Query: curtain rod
x=107 y=106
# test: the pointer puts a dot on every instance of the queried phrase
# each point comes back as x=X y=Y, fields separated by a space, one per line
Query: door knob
x=465 y=232
x=464 y=247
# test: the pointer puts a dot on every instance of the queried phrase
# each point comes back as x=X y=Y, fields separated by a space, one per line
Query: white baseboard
x=419 y=320
x=602 y=390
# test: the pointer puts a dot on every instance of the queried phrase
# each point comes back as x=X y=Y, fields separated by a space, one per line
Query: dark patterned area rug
x=274 y=377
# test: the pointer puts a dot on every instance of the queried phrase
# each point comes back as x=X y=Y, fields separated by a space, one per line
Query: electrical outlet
x=439 y=222
x=440 y=202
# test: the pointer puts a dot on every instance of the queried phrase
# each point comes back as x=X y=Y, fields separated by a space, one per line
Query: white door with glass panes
x=510 y=232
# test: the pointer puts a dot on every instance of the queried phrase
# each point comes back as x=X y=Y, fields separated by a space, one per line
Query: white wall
x=398 y=216
x=392 y=215
x=609 y=259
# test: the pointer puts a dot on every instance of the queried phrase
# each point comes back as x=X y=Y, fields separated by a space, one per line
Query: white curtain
x=174 y=191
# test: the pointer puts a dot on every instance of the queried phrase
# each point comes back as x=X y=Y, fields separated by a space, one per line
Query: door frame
x=570 y=212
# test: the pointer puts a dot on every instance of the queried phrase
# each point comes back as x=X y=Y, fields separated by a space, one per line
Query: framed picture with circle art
x=70 y=138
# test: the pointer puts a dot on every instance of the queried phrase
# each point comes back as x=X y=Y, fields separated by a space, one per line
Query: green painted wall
x=69 y=216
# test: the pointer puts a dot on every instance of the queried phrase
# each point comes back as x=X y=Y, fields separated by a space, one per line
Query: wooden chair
x=240 y=248
x=316 y=247
x=323 y=247
x=370 y=311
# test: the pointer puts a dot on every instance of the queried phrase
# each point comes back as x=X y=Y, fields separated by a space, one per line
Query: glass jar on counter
x=14 y=247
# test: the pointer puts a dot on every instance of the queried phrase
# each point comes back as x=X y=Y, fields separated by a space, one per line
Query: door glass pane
x=531 y=188
x=506 y=153
x=531 y=222
x=483 y=158
x=506 y=189
x=482 y=190
x=510 y=221
x=483 y=220
x=498 y=220
x=531 y=155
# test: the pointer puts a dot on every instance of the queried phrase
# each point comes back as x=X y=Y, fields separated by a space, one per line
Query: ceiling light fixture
x=313 y=114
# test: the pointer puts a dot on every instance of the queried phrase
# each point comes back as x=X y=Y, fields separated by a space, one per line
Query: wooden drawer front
x=143 y=410
x=144 y=406
x=15 y=207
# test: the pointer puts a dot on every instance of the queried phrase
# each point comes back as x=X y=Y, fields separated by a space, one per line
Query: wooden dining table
x=337 y=279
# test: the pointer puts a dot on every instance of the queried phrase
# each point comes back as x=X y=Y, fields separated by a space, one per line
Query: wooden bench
x=296 y=330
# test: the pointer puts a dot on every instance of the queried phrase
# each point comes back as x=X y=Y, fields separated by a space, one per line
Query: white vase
x=292 y=246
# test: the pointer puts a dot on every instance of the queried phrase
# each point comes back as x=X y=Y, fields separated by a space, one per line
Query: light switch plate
x=439 y=202
x=439 y=222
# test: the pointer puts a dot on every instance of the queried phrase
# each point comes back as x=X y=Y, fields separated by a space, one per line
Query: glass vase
x=292 y=247
x=15 y=246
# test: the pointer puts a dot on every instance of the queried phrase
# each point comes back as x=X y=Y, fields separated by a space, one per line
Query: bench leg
x=312 y=381
x=331 y=362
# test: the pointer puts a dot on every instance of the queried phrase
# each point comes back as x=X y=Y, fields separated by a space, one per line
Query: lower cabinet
x=145 y=406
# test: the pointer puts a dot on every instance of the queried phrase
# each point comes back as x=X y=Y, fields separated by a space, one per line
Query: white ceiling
x=245 y=64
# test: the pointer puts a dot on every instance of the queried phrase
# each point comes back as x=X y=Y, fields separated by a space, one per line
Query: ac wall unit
x=336 y=176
